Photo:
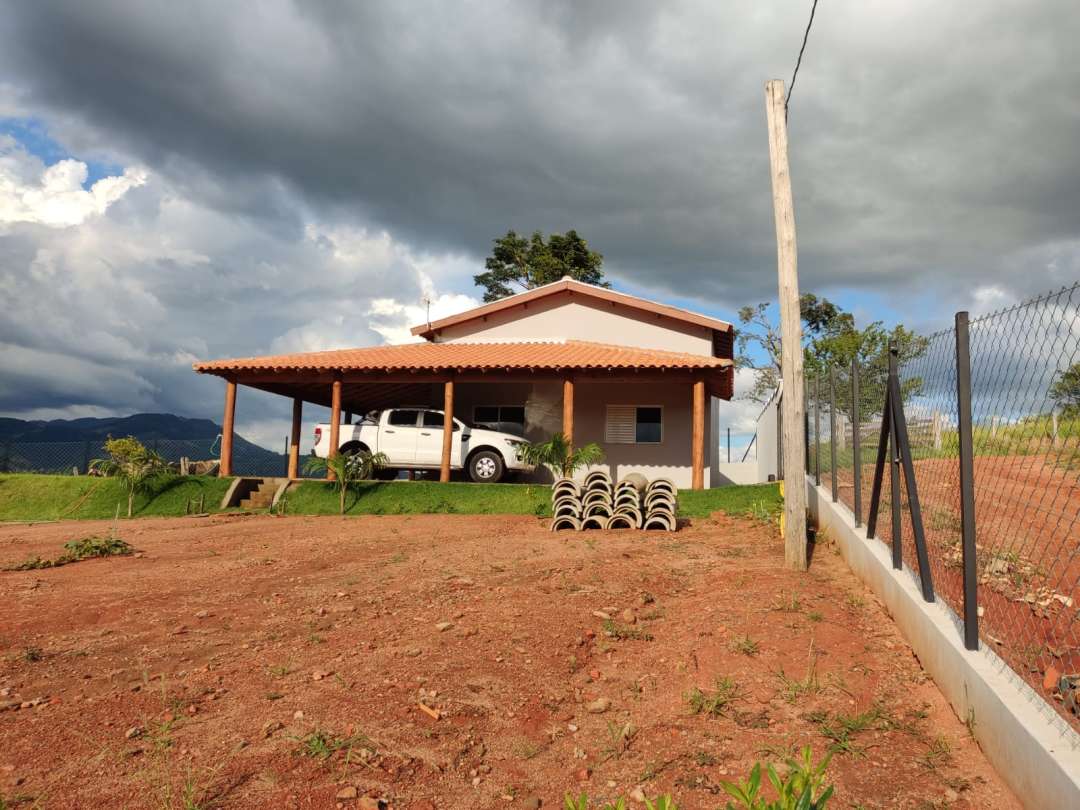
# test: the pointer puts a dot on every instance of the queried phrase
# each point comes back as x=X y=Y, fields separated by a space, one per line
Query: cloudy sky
x=182 y=181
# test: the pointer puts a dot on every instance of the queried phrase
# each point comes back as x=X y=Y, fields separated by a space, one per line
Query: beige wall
x=543 y=414
x=575 y=317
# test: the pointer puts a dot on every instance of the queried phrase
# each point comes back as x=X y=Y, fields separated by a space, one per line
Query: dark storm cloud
x=928 y=139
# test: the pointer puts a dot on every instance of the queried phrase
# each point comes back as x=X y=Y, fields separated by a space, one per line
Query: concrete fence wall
x=1033 y=748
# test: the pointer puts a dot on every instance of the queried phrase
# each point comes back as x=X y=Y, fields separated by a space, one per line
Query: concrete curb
x=1036 y=752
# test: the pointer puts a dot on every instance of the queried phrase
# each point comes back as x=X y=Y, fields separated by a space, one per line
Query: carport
x=360 y=380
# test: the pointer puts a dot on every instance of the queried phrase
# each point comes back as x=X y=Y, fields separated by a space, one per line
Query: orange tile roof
x=572 y=286
x=538 y=355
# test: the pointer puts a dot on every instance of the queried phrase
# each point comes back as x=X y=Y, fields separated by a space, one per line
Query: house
x=637 y=377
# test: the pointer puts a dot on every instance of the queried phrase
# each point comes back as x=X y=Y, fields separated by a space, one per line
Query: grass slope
x=426 y=497
x=52 y=497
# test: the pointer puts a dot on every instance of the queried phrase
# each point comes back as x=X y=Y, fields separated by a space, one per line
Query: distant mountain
x=60 y=444
x=143 y=426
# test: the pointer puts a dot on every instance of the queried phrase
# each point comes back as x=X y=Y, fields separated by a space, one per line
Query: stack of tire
x=600 y=503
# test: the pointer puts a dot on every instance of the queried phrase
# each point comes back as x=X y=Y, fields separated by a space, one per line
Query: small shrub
x=136 y=467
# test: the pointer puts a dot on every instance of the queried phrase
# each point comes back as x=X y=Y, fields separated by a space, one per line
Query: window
x=404 y=418
x=433 y=419
x=634 y=424
x=504 y=418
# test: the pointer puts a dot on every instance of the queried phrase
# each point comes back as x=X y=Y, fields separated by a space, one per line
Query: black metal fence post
x=832 y=434
x=967 y=482
x=806 y=423
x=817 y=429
x=894 y=471
x=856 y=465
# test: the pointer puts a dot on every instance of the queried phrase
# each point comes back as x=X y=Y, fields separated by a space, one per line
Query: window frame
x=636 y=407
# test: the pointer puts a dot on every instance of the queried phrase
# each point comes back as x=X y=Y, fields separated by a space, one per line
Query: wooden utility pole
x=791 y=353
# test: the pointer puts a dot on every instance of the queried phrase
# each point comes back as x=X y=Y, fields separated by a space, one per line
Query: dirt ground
x=282 y=662
x=1027 y=510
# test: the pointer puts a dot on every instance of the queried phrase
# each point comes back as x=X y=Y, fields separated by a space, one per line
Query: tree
x=1065 y=392
x=132 y=464
x=830 y=339
x=533 y=262
x=349 y=469
x=557 y=455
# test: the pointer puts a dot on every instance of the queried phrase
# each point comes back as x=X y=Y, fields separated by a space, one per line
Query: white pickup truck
x=412 y=439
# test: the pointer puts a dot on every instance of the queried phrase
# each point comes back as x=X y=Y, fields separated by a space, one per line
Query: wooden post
x=994 y=426
x=697 y=437
x=935 y=428
x=568 y=410
x=335 y=422
x=1054 y=429
x=225 y=467
x=448 y=429
x=791 y=352
x=294 y=438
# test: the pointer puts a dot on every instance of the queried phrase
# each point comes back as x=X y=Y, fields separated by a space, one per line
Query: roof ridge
x=573 y=285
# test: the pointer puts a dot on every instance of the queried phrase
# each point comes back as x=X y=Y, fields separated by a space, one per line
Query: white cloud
x=54 y=195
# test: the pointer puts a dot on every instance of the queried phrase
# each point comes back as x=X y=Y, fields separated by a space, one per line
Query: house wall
x=543 y=415
x=574 y=317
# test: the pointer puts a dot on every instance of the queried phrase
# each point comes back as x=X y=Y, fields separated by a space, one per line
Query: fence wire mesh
x=1025 y=392
x=69 y=458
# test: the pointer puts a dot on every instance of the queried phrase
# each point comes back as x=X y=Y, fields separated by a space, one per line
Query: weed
x=764 y=511
x=704 y=759
x=792 y=690
x=32 y=655
x=801 y=788
x=619 y=736
x=716 y=702
x=854 y=603
x=279 y=670
x=746 y=646
x=76 y=550
x=624 y=632
x=582 y=803
x=841 y=727
x=526 y=748
x=320 y=744
x=938 y=753
x=787 y=604
x=814 y=616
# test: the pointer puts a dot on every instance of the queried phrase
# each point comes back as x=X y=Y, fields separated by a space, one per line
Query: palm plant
x=131 y=463
x=557 y=455
x=349 y=469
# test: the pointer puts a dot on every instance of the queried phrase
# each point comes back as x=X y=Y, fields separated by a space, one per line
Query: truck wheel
x=486 y=467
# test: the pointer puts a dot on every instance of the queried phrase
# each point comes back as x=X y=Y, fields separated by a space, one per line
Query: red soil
x=208 y=645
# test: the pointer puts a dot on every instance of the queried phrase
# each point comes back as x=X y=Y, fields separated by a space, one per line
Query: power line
x=798 y=61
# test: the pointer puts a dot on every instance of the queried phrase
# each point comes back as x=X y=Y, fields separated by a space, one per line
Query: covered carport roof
x=378 y=375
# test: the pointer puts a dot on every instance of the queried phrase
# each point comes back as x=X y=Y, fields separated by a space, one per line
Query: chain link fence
x=75 y=458
x=1024 y=424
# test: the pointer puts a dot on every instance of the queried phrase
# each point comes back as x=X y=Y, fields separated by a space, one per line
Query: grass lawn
x=80 y=497
x=54 y=497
